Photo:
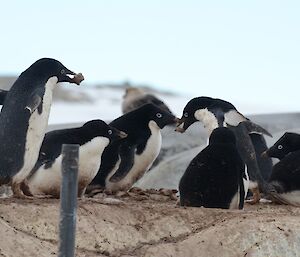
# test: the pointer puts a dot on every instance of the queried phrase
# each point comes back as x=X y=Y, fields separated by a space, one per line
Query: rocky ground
x=149 y=224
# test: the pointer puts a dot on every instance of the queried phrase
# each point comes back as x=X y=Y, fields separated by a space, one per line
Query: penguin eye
x=109 y=132
x=279 y=147
x=186 y=115
x=62 y=71
x=158 y=115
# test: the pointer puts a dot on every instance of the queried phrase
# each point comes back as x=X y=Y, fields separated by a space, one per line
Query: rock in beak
x=75 y=78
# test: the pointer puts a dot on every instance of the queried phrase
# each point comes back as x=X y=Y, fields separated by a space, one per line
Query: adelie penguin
x=214 y=113
x=217 y=177
x=125 y=161
x=285 y=177
x=92 y=138
x=24 y=119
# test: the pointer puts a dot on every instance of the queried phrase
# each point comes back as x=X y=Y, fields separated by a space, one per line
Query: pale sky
x=246 y=52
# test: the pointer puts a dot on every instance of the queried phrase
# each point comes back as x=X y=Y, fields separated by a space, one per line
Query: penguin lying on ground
x=285 y=177
x=24 y=119
x=126 y=161
x=217 y=177
x=136 y=97
x=289 y=142
x=92 y=138
x=215 y=113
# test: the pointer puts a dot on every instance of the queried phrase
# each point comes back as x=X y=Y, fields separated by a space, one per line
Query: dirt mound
x=149 y=225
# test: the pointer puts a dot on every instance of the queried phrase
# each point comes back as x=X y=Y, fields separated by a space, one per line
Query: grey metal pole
x=68 y=200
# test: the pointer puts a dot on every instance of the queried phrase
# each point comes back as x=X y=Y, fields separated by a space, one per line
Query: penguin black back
x=52 y=143
x=214 y=113
x=215 y=176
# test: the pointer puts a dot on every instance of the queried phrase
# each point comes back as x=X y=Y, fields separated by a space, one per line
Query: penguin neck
x=153 y=126
x=295 y=146
x=51 y=83
x=208 y=119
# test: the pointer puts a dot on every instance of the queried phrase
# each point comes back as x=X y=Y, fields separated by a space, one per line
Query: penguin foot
x=25 y=188
x=256 y=196
x=18 y=192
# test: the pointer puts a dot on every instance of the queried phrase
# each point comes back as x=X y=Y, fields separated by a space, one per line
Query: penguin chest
x=90 y=160
x=234 y=204
x=37 y=126
x=142 y=162
x=48 y=181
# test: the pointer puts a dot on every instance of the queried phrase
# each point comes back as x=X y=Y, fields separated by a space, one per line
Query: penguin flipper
x=254 y=128
x=35 y=100
x=127 y=160
x=234 y=118
x=3 y=94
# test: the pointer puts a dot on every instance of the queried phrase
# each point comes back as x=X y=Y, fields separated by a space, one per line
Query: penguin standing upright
x=92 y=139
x=215 y=113
x=217 y=177
x=24 y=119
x=285 y=177
x=126 y=161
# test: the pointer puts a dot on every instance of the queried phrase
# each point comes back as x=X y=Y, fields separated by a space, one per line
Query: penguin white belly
x=90 y=155
x=48 y=181
x=246 y=182
x=142 y=162
x=234 y=204
x=36 y=131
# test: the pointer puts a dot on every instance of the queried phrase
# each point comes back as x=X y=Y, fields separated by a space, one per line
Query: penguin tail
x=277 y=198
x=275 y=195
x=254 y=128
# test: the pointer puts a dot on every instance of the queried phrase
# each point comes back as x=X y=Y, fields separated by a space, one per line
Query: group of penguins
x=114 y=156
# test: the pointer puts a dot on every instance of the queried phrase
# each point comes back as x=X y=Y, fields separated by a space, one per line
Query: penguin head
x=212 y=112
x=288 y=143
x=46 y=68
x=222 y=135
x=189 y=112
x=158 y=115
x=98 y=128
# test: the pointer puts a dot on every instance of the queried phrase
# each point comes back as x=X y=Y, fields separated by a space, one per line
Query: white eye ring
x=62 y=71
x=186 y=115
x=158 y=115
x=279 y=147
x=110 y=132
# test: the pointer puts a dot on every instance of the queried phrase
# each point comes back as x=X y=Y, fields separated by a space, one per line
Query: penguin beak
x=180 y=128
x=72 y=77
